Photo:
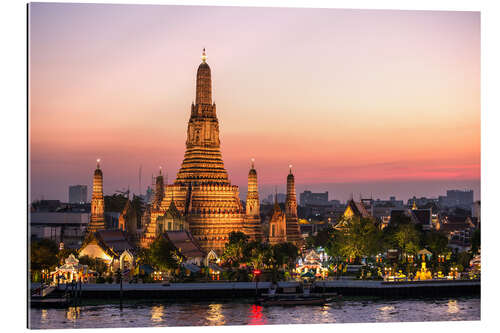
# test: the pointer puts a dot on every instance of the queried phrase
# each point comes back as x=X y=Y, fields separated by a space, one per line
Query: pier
x=221 y=290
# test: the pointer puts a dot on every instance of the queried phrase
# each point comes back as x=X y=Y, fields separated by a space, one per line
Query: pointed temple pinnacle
x=98 y=165
x=290 y=166
x=160 y=170
x=204 y=56
x=253 y=160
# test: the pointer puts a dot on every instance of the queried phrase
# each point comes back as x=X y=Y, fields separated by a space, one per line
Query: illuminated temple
x=202 y=200
x=202 y=192
x=97 y=203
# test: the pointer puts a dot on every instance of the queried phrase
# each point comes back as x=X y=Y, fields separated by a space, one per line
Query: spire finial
x=160 y=170
x=253 y=160
x=98 y=163
x=290 y=166
x=204 y=56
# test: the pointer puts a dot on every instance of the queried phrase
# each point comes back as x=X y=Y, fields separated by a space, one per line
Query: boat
x=272 y=297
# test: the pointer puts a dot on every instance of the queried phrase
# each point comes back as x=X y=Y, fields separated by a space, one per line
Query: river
x=244 y=312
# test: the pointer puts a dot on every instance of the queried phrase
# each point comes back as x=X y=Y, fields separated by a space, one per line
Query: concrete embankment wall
x=251 y=289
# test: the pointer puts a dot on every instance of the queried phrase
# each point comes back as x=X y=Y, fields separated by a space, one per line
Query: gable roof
x=358 y=208
x=185 y=243
x=112 y=242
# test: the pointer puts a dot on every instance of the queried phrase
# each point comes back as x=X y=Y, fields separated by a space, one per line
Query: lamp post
x=256 y=274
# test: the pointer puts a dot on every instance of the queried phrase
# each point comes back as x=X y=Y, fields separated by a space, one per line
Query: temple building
x=202 y=191
x=158 y=220
x=277 y=225
x=253 y=226
x=292 y=221
x=127 y=221
x=110 y=246
x=97 y=204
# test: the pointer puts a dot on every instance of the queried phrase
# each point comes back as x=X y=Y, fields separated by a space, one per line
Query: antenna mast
x=140 y=172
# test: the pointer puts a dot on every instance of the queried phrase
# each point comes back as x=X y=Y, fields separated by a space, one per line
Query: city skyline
x=100 y=95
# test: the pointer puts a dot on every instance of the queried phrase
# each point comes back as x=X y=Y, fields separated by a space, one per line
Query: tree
x=321 y=238
x=285 y=254
x=163 y=254
x=360 y=238
x=43 y=254
x=64 y=253
x=407 y=238
x=95 y=264
x=476 y=241
x=436 y=242
x=260 y=255
x=115 y=202
x=234 y=249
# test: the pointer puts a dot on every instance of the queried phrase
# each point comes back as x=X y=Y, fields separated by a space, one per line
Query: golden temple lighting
x=204 y=56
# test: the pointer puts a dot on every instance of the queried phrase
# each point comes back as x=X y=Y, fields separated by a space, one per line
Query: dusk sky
x=359 y=101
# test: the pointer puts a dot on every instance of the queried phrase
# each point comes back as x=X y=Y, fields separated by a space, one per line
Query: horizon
x=120 y=89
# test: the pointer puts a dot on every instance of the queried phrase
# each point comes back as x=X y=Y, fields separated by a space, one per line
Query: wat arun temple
x=202 y=199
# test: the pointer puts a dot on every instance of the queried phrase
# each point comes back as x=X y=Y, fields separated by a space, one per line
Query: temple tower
x=203 y=159
x=97 y=204
x=277 y=224
x=292 y=221
x=253 y=227
x=202 y=192
x=159 y=190
x=128 y=220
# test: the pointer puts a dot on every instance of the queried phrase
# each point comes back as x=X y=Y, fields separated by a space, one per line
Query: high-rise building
x=316 y=199
x=97 y=203
x=459 y=198
x=77 y=194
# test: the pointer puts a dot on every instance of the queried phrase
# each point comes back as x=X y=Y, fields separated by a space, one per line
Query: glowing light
x=203 y=56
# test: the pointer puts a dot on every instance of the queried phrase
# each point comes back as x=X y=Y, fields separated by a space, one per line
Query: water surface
x=351 y=310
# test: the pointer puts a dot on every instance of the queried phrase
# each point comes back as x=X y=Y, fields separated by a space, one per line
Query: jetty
x=231 y=290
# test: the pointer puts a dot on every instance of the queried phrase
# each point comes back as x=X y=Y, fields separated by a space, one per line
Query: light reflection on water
x=157 y=313
x=246 y=313
x=214 y=315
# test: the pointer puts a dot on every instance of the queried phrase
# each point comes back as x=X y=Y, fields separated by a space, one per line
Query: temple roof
x=185 y=243
x=358 y=209
x=113 y=242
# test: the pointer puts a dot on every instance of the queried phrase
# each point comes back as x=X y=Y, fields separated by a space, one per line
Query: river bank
x=221 y=290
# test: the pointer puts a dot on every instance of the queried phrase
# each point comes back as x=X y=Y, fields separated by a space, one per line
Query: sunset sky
x=359 y=101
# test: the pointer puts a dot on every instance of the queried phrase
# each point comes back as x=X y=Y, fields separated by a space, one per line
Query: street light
x=256 y=274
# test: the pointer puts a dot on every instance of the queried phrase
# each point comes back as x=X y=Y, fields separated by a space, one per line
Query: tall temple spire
x=291 y=197
x=97 y=203
x=252 y=204
x=203 y=160
x=414 y=207
x=292 y=222
x=253 y=227
x=204 y=82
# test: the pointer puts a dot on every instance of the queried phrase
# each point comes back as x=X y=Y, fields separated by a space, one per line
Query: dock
x=231 y=290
